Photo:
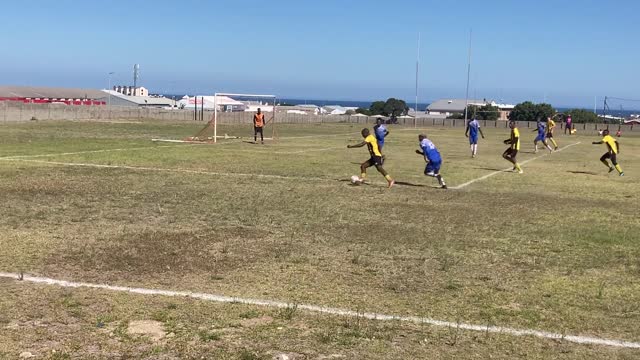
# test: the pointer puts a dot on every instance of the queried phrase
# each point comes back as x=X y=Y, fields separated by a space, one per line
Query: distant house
x=447 y=107
x=131 y=91
x=224 y=103
x=118 y=99
x=451 y=106
x=300 y=109
x=337 y=109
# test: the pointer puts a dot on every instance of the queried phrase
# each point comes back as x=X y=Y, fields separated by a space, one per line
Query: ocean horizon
x=422 y=106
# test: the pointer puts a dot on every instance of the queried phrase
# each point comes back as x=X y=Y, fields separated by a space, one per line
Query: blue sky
x=566 y=52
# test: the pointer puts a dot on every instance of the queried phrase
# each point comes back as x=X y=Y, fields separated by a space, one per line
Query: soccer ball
x=355 y=180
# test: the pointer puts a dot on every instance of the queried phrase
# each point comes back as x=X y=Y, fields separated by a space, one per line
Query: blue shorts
x=473 y=139
x=380 y=144
x=540 y=138
x=433 y=167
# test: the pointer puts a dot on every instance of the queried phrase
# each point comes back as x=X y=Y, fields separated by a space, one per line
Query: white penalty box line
x=186 y=171
x=179 y=143
x=329 y=310
x=89 y=152
x=461 y=186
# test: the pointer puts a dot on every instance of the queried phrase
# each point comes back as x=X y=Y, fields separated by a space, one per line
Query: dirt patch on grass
x=153 y=329
x=157 y=252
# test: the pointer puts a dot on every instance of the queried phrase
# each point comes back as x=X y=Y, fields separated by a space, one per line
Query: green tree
x=581 y=116
x=391 y=107
x=484 y=112
x=487 y=112
x=377 y=108
x=544 y=111
x=363 y=111
x=528 y=111
x=395 y=107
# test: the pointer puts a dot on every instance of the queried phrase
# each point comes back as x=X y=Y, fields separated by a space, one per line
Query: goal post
x=271 y=99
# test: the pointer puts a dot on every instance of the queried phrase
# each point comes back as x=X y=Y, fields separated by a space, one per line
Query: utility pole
x=109 y=88
x=466 y=102
x=415 y=117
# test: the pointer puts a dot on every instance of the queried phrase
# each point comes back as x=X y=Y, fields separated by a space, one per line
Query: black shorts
x=511 y=152
x=549 y=135
x=257 y=129
x=610 y=155
x=375 y=161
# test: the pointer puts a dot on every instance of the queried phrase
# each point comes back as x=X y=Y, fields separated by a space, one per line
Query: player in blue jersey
x=381 y=132
x=541 y=128
x=432 y=157
x=473 y=127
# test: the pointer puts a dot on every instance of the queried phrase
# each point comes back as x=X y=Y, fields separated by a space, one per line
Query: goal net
x=238 y=109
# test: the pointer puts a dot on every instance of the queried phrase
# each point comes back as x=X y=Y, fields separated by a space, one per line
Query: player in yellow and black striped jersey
x=613 y=149
x=512 y=151
x=376 y=156
x=551 y=125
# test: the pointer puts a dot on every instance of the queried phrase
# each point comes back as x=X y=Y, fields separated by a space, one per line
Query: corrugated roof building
x=448 y=107
x=118 y=99
x=451 y=106
x=39 y=94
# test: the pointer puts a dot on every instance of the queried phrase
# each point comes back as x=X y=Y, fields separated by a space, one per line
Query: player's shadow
x=491 y=169
x=405 y=183
x=583 y=172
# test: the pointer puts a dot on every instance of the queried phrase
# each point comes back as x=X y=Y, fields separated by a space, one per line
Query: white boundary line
x=329 y=310
x=86 y=152
x=187 y=171
x=310 y=150
x=316 y=136
x=187 y=143
x=507 y=169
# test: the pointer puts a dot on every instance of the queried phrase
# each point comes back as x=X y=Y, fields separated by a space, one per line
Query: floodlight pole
x=466 y=101
x=215 y=118
x=109 y=89
x=273 y=126
x=109 y=92
x=415 y=117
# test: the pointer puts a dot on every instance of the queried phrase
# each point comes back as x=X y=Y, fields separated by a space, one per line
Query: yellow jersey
x=515 y=139
x=611 y=144
x=372 y=145
x=550 y=126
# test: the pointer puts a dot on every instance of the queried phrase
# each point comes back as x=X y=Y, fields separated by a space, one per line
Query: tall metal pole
x=215 y=118
x=415 y=117
x=111 y=73
x=466 y=101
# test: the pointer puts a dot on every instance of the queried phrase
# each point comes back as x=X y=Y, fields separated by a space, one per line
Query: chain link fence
x=13 y=112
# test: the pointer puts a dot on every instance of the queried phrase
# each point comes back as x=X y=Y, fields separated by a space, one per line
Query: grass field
x=555 y=249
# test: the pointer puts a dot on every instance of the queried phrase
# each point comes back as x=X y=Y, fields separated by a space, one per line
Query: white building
x=131 y=91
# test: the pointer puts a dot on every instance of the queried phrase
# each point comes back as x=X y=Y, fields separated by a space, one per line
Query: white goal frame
x=231 y=95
